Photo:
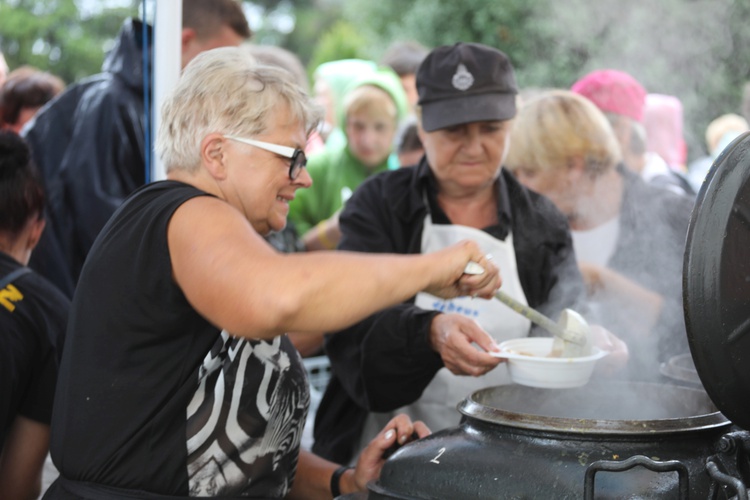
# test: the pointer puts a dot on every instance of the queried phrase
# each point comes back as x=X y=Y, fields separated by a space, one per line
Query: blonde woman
x=628 y=236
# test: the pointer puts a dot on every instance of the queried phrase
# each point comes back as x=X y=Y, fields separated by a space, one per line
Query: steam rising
x=672 y=47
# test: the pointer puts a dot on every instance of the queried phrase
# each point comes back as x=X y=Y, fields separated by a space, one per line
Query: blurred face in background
x=370 y=125
x=556 y=183
x=561 y=145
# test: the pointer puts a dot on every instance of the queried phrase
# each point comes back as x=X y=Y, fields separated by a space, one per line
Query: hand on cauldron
x=399 y=431
x=617 y=349
x=452 y=335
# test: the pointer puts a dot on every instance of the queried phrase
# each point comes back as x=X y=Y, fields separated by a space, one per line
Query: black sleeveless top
x=154 y=398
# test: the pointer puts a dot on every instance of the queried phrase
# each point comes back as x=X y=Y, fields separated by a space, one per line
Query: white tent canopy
x=167 y=56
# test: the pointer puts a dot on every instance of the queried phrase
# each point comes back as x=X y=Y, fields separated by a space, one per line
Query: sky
x=88 y=7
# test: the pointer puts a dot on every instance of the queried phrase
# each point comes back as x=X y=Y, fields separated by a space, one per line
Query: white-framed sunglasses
x=296 y=155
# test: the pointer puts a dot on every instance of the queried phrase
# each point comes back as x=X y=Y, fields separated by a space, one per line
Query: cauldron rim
x=471 y=408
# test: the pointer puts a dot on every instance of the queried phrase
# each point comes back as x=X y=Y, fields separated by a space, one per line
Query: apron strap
x=13 y=275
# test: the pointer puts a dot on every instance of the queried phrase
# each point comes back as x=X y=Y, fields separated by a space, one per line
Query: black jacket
x=385 y=361
x=89 y=145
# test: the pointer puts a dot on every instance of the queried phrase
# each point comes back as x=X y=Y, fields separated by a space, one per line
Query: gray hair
x=225 y=91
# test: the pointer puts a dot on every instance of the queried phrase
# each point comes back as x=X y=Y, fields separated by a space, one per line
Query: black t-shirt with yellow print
x=33 y=316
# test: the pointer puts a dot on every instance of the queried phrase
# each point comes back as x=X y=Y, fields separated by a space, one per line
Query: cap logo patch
x=462 y=80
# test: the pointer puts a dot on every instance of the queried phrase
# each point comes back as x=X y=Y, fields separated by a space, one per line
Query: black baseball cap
x=464 y=83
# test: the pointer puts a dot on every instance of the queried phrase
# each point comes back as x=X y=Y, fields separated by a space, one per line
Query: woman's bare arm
x=237 y=281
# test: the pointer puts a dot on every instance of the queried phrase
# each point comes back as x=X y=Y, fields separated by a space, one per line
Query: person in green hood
x=331 y=81
x=373 y=106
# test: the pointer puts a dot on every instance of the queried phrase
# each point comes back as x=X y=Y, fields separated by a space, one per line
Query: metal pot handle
x=726 y=480
x=621 y=466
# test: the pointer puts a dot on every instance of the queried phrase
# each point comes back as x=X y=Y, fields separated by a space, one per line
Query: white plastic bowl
x=529 y=364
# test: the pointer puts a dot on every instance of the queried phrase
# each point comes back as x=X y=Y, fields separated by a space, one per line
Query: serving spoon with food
x=573 y=337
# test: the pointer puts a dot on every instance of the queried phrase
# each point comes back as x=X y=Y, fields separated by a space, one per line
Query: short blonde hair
x=371 y=101
x=557 y=127
x=224 y=90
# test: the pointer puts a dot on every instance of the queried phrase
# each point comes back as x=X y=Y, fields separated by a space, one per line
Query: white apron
x=437 y=406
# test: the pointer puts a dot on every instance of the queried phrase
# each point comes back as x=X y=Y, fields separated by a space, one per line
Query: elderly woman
x=177 y=378
x=628 y=236
x=410 y=355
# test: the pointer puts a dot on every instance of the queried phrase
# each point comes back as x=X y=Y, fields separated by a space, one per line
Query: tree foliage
x=53 y=36
x=433 y=23
x=312 y=23
x=342 y=41
x=691 y=49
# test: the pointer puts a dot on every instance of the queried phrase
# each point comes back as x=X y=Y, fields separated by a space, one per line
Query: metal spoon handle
x=532 y=314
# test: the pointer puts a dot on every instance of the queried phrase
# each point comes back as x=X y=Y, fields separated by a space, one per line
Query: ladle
x=572 y=333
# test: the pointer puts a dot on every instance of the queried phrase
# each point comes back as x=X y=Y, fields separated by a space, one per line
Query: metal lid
x=716 y=282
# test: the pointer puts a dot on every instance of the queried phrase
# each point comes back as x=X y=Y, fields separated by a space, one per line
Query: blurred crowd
x=579 y=196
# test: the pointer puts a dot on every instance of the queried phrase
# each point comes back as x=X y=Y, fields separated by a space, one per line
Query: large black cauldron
x=523 y=442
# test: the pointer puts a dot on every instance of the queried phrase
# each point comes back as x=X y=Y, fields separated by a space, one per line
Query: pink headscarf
x=663 y=122
x=613 y=91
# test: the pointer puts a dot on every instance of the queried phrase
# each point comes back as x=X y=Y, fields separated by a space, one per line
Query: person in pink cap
x=623 y=100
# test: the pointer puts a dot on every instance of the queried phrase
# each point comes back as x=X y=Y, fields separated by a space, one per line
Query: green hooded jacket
x=335 y=172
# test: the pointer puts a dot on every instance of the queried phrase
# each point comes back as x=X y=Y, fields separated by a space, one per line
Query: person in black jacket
x=33 y=315
x=411 y=357
x=90 y=142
